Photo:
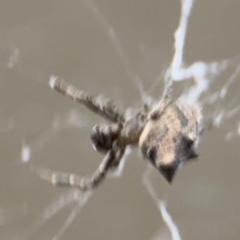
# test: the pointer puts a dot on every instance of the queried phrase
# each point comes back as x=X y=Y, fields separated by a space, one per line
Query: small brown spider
x=167 y=135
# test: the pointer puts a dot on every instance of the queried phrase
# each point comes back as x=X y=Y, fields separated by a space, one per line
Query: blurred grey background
x=115 y=48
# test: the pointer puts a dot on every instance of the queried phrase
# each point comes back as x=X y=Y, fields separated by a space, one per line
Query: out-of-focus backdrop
x=121 y=49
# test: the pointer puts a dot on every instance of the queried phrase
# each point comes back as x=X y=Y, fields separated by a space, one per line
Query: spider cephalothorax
x=167 y=135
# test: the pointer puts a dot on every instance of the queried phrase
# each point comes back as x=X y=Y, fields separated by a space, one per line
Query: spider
x=167 y=135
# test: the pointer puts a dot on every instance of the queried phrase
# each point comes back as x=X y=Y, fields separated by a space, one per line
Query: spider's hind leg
x=164 y=102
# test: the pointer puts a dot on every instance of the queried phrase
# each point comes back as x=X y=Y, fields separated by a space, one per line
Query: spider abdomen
x=171 y=139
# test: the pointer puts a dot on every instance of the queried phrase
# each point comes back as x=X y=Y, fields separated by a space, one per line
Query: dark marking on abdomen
x=152 y=155
x=182 y=117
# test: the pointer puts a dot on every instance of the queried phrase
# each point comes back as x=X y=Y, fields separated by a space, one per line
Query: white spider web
x=201 y=77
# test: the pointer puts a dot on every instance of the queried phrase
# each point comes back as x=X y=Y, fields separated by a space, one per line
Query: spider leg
x=118 y=158
x=167 y=91
x=103 y=135
x=164 y=102
x=103 y=107
x=74 y=180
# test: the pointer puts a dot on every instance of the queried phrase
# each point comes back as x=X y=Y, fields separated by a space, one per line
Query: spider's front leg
x=103 y=107
x=103 y=135
x=85 y=184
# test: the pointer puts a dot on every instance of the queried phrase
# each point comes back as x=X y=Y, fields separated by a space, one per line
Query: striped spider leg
x=83 y=183
x=104 y=138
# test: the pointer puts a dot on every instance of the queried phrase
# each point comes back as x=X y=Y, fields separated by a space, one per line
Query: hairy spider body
x=170 y=138
x=167 y=135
